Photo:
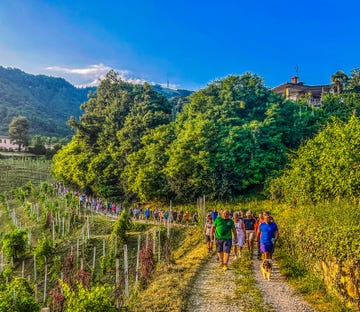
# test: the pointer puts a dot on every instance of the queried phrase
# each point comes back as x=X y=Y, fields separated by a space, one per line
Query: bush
x=18 y=296
x=97 y=299
x=122 y=225
x=14 y=244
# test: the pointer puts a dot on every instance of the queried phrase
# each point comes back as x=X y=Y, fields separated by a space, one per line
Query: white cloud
x=93 y=74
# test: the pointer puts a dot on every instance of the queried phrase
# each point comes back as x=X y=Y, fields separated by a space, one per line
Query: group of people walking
x=229 y=230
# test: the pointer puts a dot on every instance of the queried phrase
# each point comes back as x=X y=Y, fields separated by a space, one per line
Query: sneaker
x=235 y=257
x=225 y=268
x=221 y=265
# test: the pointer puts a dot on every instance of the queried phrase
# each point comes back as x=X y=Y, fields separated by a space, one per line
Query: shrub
x=18 y=296
x=14 y=244
x=122 y=225
x=96 y=299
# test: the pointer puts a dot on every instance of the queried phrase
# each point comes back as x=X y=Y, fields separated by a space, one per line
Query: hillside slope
x=47 y=102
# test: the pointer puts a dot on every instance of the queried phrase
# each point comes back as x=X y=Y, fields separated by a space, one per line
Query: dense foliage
x=97 y=299
x=18 y=296
x=115 y=120
x=325 y=168
x=14 y=244
x=226 y=139
x=320 y=246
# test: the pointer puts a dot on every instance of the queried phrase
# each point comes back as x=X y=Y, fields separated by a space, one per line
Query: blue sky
x=188 y=43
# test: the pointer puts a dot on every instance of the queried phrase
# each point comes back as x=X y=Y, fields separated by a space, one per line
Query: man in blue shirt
x=267 y=235
x=214 y=215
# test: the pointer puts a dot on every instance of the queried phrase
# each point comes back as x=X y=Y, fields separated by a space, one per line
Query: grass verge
x=168 y=289
x=246 y=289
x=307 y=285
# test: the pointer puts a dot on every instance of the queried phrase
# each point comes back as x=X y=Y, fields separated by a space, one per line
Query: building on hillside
x=294 y=90
x=7 y=145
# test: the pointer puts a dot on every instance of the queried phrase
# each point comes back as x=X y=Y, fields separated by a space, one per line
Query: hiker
x=147 y=214
x=187 y=217
x=214 y=214
x=195 y=217
x=267 y=236
x=223 y=228
x=180 y=216
x=207 y=230
x=257 y=225
x=250 y=231
x=240 y=231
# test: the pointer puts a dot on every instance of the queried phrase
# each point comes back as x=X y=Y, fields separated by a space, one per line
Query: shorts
x=223 y=245
x=250 y=235
x=267 y=248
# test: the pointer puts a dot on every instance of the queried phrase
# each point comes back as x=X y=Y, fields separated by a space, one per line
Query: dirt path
x=278 y=293
x=214 y=290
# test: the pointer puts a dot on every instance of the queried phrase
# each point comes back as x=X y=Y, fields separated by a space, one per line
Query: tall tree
x=340 y=80
x=19 y=131
x=354 y=81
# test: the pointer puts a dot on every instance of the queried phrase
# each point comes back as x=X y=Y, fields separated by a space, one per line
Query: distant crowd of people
x=137 y=212
x=226 y=229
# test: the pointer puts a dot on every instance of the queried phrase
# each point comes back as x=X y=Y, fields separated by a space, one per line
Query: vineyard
x=57 y=252
x=16 y=171
x=54 y=247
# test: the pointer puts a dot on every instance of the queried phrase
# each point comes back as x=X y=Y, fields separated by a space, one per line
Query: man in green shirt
x=223 y=228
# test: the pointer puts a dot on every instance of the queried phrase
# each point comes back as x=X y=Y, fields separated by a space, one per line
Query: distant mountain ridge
x=47 y=102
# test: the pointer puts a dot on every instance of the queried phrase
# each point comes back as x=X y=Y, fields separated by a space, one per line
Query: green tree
x=144 y=175
x=71 y=163
x=354 y=81
x=115 y=119
x=38 y=145
x=222 y=143
x=19 y=131
x=340 y=80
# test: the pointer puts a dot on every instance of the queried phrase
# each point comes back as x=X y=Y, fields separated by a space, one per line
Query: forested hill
x=47 y=102
x=171 y=93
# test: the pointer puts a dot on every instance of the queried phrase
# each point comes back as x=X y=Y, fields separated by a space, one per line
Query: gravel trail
x=278 y=293
x=214 y=290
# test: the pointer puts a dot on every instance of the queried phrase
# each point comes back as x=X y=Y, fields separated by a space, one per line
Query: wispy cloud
x=93 y=74
x=98 y=69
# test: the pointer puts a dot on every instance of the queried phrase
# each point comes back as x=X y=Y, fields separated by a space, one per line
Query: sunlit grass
x=246 y=289
x=168 y=290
